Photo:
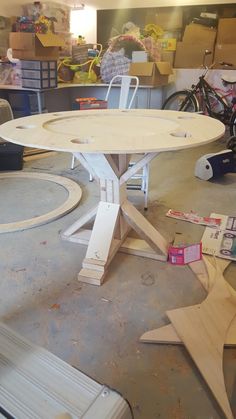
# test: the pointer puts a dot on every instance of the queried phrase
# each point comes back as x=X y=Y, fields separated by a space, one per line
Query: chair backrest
x=125 y=84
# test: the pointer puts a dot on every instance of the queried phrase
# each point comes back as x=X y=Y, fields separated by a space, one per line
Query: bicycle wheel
x=183 y=100
x=216 y=108
x=232 y=125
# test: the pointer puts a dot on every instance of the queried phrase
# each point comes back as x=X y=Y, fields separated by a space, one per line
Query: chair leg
x=146 y=185
x=72 y=162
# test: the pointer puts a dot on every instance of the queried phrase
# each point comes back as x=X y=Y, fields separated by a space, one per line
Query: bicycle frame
x=204 y=93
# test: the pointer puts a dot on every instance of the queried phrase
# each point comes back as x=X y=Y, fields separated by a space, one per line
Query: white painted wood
x=137 y=166
x=113 y=131
x=99 y=136
x=102 y=165
x=142 y=226
x=83 y=161
x=131 y=246
x=86 y=218
x=138 y=247
x=103 y=231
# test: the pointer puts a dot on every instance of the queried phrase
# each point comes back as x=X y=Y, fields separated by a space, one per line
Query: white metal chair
x=125 y=101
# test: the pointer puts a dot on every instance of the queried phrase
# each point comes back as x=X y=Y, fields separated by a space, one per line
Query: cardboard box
x=199 y=33
x=151 y=74
x=183 y=253
x=225 y=53
x=189 y=55
x=35 y=46
x=226 y=31
x=168 y=56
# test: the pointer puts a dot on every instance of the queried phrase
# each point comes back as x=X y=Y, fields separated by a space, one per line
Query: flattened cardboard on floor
x=35 y=46
x=151 y=74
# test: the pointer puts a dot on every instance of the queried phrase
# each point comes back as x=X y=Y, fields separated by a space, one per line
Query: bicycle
x=202 y=97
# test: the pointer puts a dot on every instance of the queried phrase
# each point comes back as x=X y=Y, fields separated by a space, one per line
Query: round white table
x=104 y=141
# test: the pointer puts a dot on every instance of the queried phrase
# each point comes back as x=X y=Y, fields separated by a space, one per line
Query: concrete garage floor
x=97 y=329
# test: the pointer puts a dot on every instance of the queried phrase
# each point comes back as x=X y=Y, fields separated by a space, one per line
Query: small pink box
x=183 y=254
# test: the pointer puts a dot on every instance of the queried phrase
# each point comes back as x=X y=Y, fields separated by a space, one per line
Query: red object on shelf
x=87 y=103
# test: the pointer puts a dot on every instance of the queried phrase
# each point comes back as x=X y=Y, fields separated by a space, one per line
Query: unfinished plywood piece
x=167 y=335
x=205 y=270
x=205 y=328
x=113 y=131
x=74 y=196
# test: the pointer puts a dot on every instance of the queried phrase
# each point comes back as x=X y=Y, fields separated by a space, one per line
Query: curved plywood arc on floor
x=74 y=196
x=113 y=131
x=206 y=327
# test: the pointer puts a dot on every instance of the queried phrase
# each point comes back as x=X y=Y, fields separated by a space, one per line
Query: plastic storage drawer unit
x=39 y=74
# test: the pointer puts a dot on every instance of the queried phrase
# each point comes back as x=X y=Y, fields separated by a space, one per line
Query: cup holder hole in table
x=181 y=134
x=81 y=141
x=25 y=126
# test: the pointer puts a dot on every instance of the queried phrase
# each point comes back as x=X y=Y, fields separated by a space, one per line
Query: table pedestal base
x=114 y=216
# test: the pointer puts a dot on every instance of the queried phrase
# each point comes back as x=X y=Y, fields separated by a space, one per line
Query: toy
x=215 y=164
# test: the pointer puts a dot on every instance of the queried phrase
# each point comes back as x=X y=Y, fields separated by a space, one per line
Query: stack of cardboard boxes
x=198 y=38
x=190 y=51
x=225 y=49
x=38 y=54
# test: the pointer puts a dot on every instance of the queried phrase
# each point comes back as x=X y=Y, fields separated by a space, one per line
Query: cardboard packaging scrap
x=151 y=73
x=181 y=252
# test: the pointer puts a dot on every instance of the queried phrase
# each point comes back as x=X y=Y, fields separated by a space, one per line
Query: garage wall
x=12 y=7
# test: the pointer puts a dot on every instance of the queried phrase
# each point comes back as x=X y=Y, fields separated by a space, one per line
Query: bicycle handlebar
x=226 y=64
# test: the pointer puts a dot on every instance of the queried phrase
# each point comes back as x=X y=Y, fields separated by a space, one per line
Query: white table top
x=113 y=131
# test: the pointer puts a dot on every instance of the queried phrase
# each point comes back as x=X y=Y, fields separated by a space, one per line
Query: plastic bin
x=11 y=156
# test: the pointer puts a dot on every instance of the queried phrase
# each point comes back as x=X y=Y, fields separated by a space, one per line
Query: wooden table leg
x=113 y=218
